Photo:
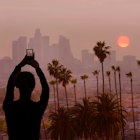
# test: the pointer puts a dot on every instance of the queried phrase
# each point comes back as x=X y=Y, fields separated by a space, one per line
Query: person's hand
x=23 y=62
x=33 y=63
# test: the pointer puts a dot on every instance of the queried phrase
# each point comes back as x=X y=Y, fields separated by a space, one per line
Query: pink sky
x=84 y=22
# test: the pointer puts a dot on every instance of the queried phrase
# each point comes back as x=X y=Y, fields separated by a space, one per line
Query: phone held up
x=30 y=53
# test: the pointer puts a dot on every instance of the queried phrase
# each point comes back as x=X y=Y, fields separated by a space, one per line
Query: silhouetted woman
x=23 y=117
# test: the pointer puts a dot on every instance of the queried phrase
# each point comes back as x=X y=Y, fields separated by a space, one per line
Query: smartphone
x=30 y=53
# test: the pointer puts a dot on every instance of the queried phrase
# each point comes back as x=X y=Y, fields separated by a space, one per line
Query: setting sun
x=123 y=41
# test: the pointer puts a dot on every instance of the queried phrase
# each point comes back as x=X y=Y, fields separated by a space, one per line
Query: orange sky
x=82 y=21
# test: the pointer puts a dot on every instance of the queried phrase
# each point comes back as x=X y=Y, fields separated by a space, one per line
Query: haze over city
x=84 y=22
x=85 y=75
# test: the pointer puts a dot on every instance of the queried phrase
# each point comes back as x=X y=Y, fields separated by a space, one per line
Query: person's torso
x=23 y=120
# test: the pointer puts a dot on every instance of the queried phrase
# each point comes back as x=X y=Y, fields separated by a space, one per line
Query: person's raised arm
x=11 y=84
x=45 y=88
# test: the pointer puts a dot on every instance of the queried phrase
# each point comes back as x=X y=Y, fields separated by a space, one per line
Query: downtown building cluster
x=45 y=52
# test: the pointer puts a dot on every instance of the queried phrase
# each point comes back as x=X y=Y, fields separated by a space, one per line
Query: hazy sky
x=84 y=22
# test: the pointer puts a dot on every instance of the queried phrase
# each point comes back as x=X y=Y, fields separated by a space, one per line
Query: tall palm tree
x=74 y=81
x=120 y=91
x=115 y=80
x=84 y=77
x=107 y=118
x=119 y=75
x=64 y=78
x=54 y=69
x=82 y=114
x=101 y=51
x=62 y=125
x=109 y=79
x=53 y=85
x=129 y=75
x=96 y=74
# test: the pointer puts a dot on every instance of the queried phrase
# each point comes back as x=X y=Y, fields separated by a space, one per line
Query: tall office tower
x=129 y=63
x=87 y=59
x=46 y=50
x=19 y=49
x=40 y=45
x=112 y=57
x=54 y=52
x=65 y=54
x=6 y=65
x=110 y=60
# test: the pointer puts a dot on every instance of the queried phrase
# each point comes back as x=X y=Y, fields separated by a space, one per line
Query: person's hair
x=25 y=81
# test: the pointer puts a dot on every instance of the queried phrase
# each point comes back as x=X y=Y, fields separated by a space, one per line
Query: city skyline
x=84 y=22
x=87 y=49
x=45 y=52
x=27 y=40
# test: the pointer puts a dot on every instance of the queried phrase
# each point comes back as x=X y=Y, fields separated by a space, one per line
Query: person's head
x=25 y=81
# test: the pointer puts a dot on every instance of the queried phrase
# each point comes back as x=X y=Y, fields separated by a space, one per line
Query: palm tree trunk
x=85 y=134
x=85 y=89
x=133 y=111
x=116 y=84
x=121 y=105
x=97 y=86
x=107 y=136
x=120 y=90
x=85 y=137
x=66 y=97
x=110 y=85
x=75 y=93
x=54 y=97
x=58 y=105
x=103 y=75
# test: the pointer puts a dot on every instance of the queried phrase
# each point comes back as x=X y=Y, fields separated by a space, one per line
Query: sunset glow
x=123 y=41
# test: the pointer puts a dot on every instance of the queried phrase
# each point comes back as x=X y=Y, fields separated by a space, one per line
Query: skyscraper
x=40 y=45
x=87 y=58
x=44 y=52
x=19 y=49
x=129 y=63
x=65 y=54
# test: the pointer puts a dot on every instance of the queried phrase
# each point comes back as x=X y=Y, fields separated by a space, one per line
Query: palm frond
x=129 y=75
x=101 y=50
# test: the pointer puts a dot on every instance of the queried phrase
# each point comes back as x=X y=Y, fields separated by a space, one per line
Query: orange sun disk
x=123 y=41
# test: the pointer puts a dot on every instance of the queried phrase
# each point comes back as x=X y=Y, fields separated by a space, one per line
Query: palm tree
x=115 y=80
x=64 y=78
x=129 y=75
x=44 y=127
x=119 y=75
x=84 y=77
x=82 y=113
x=96 y=74
x=109 y=80
x=53 y=85
x=54 y=69
x=74 y=81
x=62 y=125
x=107 y=118
x=101 y=51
